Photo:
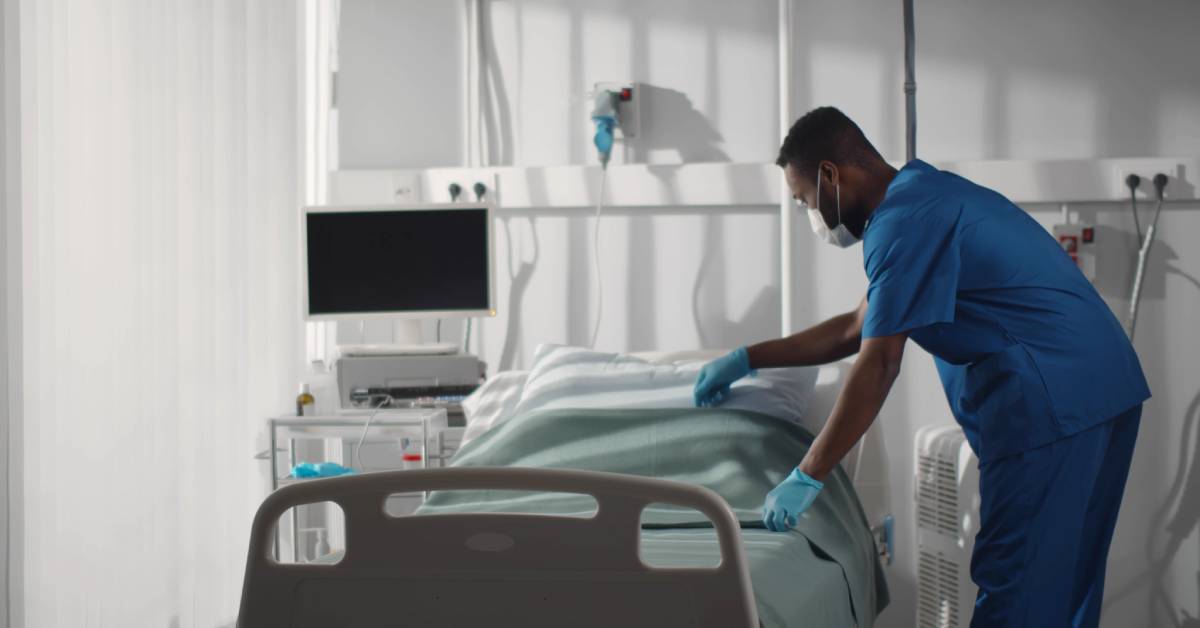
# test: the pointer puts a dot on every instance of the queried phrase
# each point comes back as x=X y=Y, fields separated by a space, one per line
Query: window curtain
x=161 y=159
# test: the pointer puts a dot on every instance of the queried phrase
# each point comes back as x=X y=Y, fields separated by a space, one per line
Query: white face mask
x=839 y=236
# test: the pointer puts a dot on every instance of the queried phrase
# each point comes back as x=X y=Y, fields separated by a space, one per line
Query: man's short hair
x=824 y=134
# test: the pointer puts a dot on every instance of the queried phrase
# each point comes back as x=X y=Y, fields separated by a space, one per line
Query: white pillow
x=573 y=377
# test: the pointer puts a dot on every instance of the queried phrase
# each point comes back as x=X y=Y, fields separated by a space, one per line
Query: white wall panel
x=399 y=83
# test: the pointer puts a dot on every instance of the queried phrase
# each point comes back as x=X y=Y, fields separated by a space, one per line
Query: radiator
x=946 y=509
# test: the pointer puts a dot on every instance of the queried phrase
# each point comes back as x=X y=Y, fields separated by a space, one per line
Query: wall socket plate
x=437 y=185
x=406 y=187
x=1146 y=169
x=628 y=110
x=492 y=181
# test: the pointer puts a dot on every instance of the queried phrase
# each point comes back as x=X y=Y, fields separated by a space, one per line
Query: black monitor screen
x=397 y=261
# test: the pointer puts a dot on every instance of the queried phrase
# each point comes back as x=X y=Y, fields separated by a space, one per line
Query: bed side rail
x=533 y=570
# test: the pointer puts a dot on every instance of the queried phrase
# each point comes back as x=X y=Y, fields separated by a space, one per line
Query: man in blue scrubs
x=1036 y=368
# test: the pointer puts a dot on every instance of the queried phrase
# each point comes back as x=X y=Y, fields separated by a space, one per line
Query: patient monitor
x=404 y=262
x=398 y=261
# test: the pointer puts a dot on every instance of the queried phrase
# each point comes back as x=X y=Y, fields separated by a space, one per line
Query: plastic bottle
x=305 y=403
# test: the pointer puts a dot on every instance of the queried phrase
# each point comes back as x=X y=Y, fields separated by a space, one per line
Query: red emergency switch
x=1069 y=243
x=626 y=94
x=1089 y=234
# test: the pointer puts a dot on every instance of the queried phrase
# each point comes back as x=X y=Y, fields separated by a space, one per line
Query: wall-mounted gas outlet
x=628 y=106
x=1079 y=242
x=485 y=188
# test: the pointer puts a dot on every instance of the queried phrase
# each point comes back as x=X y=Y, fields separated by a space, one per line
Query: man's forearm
x=823 y=343
x=866 y=388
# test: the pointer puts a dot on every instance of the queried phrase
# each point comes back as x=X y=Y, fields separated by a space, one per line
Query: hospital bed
x=633 y=516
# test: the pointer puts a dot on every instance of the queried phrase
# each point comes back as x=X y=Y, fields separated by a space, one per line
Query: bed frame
x=495 y=569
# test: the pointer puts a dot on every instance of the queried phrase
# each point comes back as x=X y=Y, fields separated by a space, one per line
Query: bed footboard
x=498 y=569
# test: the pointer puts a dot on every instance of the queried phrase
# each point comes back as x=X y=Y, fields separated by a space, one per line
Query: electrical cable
x=596 y=259
x=1132 y=182
x=387 y=399
x=467 y=337
x=439 y=330
x=1160 y=186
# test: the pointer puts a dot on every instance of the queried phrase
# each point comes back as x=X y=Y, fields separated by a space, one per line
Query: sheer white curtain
x=161 y=159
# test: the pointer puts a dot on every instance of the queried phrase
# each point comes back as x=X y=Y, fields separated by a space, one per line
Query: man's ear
x=829 y=170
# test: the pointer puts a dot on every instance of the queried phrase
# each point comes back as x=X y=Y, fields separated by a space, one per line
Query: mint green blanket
x=740 y=455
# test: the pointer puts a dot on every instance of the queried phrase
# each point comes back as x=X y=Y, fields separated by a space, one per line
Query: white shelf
x=387 y=424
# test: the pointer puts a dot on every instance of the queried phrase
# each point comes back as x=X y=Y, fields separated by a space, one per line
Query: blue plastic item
x=605 y=117
x=306 y=470
x=604 y=137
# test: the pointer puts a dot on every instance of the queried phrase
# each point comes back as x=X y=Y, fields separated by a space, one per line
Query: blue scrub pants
x=1047 y=517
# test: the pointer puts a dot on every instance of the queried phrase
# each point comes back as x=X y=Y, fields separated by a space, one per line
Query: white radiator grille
x=946 y=511
x=937 y=494
x=938 y=591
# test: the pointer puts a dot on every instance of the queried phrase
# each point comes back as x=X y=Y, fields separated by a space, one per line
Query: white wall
x=9 y=175
x=1072 y=79
x=399 y=84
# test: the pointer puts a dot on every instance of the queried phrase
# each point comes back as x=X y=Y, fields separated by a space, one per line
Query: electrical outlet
x=436 y=183
x=406 y=187
x=491 y=182
x=1146 y=169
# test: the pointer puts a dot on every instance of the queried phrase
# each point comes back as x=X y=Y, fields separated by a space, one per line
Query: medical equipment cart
x=424 y=426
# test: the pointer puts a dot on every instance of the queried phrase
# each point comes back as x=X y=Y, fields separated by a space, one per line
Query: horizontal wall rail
x=744 y=184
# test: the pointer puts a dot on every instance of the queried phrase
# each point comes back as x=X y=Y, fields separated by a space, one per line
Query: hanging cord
x=1132 y=182
x=467 y=337
x=1160 y=185
x=387 y=400
x=596 y=259
x=439 y=330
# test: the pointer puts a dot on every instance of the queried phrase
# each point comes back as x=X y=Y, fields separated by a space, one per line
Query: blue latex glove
x=712 y=387
x=787 y=501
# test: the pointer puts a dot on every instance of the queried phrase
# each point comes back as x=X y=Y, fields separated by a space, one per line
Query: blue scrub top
x=1026 y=349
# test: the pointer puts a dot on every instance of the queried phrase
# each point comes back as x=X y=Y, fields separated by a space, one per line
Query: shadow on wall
x=519 y=273
x=497 y=108
x=713 y=324
x=673 y=125
x=670 y=122
x=1116 y=264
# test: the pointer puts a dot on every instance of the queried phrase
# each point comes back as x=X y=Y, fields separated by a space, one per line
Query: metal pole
x=295 y=509
x=425 y=448
x=274 y=480
x=787 y=254
x=910 y=84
